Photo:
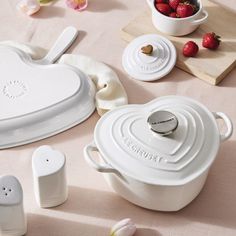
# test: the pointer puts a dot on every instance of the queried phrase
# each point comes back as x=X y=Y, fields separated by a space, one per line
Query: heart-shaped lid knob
x=46 y=161
x=148 y=50
x=149 y=57
x=129 y=140
x=10 y=191
x=163 y=122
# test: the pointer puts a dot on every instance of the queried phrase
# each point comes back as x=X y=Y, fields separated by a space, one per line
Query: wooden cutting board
x=210 y=66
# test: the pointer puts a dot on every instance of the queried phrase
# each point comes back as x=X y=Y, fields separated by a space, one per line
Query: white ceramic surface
x=177 y=26
x=38 y=101
x=49 y=173
x=12 y=216
x=149 y=67
x=158 y=172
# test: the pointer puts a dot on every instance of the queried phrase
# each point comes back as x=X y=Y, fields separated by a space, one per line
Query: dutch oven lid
x=169 y=141
x=149 y=57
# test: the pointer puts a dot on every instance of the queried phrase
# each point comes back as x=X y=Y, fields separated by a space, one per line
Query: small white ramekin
x=177 y=26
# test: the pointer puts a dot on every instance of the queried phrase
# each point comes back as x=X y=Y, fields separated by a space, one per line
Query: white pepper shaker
x=12 y=217
x=49 y=173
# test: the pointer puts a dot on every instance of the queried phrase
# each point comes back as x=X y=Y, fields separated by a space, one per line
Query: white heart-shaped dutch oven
x=158 y=155
x=38 y=101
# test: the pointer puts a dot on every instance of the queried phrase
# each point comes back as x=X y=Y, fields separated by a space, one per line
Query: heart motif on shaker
x=10 y=191
x=27 y=87
x=46 y=161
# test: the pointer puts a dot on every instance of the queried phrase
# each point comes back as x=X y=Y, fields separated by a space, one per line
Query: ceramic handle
x=63 y=42
x=105 y=167
x=201 y=20
x=228 y=123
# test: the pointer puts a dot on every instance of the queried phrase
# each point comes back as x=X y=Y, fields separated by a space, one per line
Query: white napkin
x=110 y=92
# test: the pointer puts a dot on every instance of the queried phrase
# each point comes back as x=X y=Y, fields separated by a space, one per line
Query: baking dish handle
x=201 y=20
x=228 y=123
x=104 y=167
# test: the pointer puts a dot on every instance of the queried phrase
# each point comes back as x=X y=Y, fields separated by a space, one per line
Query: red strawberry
x=164 y=8
x=184 y=10
x=160 y=1
x=211 y=41
x=190 y=49
x=173 y=15
x=174 y=3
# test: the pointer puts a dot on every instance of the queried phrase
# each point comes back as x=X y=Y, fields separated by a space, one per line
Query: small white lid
x=126 y=138
x=149 y=67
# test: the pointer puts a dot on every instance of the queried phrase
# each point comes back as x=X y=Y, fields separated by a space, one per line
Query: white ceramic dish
x=39 y=100
x=149 y=67
x=158 y=172
x=177 y=26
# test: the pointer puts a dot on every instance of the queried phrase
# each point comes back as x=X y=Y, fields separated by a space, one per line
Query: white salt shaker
x=49 y=173
x=12 y=217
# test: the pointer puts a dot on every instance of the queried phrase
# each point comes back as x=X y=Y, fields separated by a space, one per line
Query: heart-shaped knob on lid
x=148 y=50
x=163 y=122
x=10 y=191
x=149 y=57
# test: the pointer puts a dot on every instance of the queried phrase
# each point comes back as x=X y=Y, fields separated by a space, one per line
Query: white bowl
x=177 y=26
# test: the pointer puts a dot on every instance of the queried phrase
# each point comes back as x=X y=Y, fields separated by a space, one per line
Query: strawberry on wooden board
x=164 y=8
x=211 y=41
x=190 y=49
x=184 y=10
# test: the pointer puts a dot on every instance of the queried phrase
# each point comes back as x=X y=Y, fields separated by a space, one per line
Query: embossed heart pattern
x=172 y=167
x=38 y=101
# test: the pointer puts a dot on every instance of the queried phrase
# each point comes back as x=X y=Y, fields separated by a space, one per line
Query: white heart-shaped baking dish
x=38 y=101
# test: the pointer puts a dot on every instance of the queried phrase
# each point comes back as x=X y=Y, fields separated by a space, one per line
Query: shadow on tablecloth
x=39 y=225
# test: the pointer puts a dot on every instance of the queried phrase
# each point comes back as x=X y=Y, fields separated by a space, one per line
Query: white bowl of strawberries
x=177 y=17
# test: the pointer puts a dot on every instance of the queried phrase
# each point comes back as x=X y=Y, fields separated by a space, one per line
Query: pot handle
x=105 y=167
x=229 y=125
x=201 y=20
